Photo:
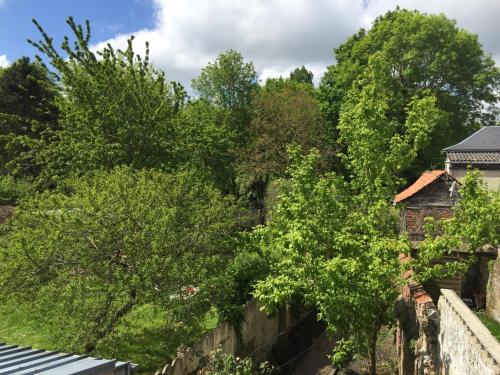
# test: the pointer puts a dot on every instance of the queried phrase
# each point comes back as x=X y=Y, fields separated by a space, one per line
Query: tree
x=302 y=75
x=120 y=241
x=116 y=109
x=284 y=112
x=206 y=142
x=422 y=53
x=229 y=83
x=27 y=112
x=332 y=242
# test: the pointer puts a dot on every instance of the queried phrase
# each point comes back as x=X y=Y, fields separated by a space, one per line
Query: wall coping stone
x=476 y=327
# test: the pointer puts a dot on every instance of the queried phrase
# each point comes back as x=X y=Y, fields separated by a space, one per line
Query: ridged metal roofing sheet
x=474 y=157
x=26 y=361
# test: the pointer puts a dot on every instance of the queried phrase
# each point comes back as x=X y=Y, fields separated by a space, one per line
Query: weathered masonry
x=446 y=338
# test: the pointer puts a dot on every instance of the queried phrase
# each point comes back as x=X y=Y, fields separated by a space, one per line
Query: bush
x=11 y=190
x=220 y=363
x=234 y=287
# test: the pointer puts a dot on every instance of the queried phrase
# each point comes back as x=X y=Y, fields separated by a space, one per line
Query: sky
x=184 y=35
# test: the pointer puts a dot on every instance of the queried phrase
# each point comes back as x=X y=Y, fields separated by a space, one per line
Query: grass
x=140 y=338
x=490 y=323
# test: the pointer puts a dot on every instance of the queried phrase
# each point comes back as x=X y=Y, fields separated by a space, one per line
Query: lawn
x=140 y=338
x=490 y=323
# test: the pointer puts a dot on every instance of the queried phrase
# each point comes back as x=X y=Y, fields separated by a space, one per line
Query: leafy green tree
x=302 y=75
x=229 y=83
x=27 y=112
x=333 y=242
x=205 y=142
x=120 y=241
x=284 y=112
x=422 y=53
x=115 y=109
x=327 y=251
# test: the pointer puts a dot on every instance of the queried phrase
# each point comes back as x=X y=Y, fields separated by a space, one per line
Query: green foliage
x=381 y=147
x=233 y=288
x=206 y=142
x=228 y=82
x=331 y=254
x=220 y=363
x=474 y=225
x=284 y=112
x=423 y=55
x=115 y=109
x=116 y=242
x=27 y=112
x=11 y=189
x=302 y=75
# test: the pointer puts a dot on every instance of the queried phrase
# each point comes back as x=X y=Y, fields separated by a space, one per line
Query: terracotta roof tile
x=425 y=179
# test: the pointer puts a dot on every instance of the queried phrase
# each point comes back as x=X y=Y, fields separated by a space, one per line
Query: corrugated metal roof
x=26 y=361
x=485 y=139
x=474 y=157
x=424 y=180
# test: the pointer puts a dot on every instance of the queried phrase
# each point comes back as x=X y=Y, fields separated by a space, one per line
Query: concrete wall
x=466 y=347
x=259 y=333
x=490 y=176
x=493 y=293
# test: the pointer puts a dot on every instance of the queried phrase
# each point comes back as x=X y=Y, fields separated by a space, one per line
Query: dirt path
x=316 y=361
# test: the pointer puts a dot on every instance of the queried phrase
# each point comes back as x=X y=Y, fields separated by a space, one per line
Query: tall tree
x=284 y=112
x=302 y=75
x=27 y=111
x=229 y=83
x=422 y=53
x=116 y=109
x=121 y=241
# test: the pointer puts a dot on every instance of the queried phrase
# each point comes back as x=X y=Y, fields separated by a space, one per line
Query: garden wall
x=466 y=345
x=493 y=296
x=445 y=339
x=259 y=333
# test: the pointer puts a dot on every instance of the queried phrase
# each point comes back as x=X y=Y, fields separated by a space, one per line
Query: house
x=480 y=151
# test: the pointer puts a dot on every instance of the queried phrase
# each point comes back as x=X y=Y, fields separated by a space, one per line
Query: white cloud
x=3 y=60
x=280 y=35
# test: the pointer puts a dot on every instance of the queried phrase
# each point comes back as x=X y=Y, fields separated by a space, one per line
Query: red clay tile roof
x=425 y=179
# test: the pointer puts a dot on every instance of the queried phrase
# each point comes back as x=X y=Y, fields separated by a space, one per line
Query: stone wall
x=417 y=332
x=446 y=339
x=465 y=344
x=259 y=333
x=493 y=294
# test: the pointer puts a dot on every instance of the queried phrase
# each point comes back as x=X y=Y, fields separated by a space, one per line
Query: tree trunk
x=373 y=353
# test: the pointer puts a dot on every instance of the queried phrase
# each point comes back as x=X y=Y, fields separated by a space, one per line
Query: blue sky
x=184 y=35
x=108 y=18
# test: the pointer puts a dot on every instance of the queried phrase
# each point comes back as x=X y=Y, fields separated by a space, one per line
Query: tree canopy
x=117 y=110
x=27 y=111
x=421 y=53
x=121 y=240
